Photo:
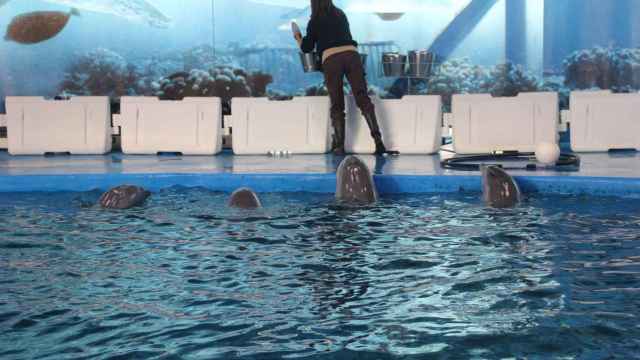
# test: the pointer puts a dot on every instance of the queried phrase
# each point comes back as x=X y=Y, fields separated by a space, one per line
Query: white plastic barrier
x=298 y=126
x=81 y=125
x=484 y=124
x=602 y=121
x=192 y=126
x=411 y=125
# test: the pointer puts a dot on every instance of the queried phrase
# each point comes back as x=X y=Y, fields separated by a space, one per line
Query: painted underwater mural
x=232 y=48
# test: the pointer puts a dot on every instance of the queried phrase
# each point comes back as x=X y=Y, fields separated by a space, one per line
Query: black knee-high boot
x=372 y=121
x=338 y=134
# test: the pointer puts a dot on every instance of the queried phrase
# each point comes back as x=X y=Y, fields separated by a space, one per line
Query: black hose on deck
x=473 y=162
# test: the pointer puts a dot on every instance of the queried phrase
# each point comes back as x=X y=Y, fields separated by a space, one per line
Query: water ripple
x=435 y=276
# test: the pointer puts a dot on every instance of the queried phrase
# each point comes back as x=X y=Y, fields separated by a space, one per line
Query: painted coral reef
x=224 y=82
x=614 y=69
x=201 y=71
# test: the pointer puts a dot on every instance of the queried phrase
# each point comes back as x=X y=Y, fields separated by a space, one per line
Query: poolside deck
x=603 y=174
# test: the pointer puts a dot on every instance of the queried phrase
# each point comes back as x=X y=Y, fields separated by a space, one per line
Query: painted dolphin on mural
x=124 y=197
x=244 y=199
x=139 y=11
x=295 y=4
x=499 y=189
x=297 y=16
x=354 y=183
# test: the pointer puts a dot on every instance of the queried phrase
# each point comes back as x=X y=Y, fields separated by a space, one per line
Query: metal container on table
x=394 y=64
x=421 y=63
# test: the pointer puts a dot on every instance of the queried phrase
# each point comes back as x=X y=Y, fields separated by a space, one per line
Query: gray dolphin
x=354 y=183
x=124 y=197
x=244 y=198
x=499 y=189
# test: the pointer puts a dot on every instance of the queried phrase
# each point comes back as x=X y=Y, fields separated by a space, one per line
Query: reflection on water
x=417 y=275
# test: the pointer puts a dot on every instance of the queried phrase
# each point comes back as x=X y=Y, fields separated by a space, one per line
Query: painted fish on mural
x=296 y=4
x=38 y=26
x=390 y=16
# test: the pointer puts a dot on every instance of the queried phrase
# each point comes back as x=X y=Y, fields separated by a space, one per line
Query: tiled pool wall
x=598 y=175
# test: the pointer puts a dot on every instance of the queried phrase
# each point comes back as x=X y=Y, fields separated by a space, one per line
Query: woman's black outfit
x=331 y=36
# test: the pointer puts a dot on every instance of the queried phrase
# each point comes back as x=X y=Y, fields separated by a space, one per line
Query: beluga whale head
x=244 y=198
x=499 y=189
x=124 y=197
x=354 y=183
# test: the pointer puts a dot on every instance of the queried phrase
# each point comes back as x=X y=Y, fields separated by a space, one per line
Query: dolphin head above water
x=244 y=199
x=354 y=183
x=499 y=189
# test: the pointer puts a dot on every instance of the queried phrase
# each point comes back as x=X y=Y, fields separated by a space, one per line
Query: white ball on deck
x=547 y=153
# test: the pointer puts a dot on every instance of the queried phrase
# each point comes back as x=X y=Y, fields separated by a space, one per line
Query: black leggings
x=335 y=68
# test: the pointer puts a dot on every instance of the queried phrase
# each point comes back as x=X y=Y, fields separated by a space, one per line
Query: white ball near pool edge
x=547 y=153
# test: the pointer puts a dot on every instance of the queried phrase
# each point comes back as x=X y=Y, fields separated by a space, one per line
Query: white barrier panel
x=81 y=125
x=299 y=126
x=192 y=126
x=602 y=121
x=411 y=125
x=484 y=124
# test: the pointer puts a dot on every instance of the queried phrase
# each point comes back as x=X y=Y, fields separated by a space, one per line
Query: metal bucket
x=421 y=63
x=310 y=62
x=394 y=64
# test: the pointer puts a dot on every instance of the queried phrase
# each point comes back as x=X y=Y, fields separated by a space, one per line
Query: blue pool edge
x=317 y=183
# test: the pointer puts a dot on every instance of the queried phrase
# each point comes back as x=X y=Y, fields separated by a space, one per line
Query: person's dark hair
x=322 y=8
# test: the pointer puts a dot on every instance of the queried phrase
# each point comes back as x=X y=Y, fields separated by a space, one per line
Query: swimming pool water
x=430 y=276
